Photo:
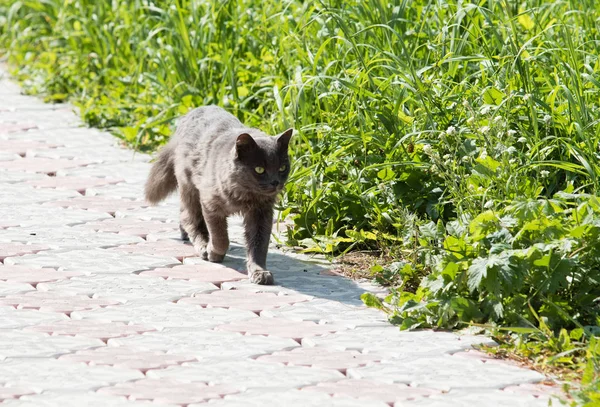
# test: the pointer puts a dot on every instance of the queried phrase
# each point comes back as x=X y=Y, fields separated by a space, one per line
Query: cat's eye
x=282 y=168
x=259 y=170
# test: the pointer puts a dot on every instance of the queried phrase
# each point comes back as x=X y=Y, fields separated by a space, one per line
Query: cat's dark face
x=263 y=162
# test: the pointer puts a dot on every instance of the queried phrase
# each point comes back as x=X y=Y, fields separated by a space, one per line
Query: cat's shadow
x=305 y=277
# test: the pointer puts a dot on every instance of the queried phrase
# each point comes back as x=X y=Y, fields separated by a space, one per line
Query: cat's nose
x=275 y=183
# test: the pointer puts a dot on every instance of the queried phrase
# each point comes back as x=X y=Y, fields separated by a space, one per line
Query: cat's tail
x=161 y=180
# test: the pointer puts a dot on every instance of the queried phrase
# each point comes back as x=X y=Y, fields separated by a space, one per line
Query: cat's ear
x=284 y=139
x=244 y=144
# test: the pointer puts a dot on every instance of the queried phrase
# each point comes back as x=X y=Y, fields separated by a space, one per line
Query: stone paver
x=165 y=315
x=78 y=184
x=66 y=238
x=98 y=204
x=129 y=288
x=78 y=399
x=16 y=193
x=127 y=357
x=8 y=224
x=368 y=390
x=11 y=287
x=96 y=261
x=6 y=128
x=252 y=301
x=207 y=345
x=321 y=357
x=204 y=271
x=17 y=343
x=13 y=318
x=102 y=304
x=34 y=215
x=288 y=397
x=133 y=227
x=54 y=302
x=18 y=249
x=41 y=165
x=21 y=147
x=7 y=393
x=170 y=391
x=52 y=374
x=248 y=373
x=179 y=250
x=91 y=329
x=283 y=328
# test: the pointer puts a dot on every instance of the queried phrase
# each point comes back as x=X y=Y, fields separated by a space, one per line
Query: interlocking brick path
x=101 y=304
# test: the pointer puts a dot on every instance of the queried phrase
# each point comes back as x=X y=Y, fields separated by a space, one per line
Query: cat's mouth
x=270 y=190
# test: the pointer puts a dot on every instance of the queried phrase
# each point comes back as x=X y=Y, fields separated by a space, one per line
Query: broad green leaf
x=493 y=96
x=371 y=300
x=129 y=133
x=428 y=230
x=483 y=223
x=450 y=270
x=576 y=334
x=386 y=174
x=477 y=272
x=458 y=247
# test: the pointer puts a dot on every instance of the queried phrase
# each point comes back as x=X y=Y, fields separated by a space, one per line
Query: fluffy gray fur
x=222 y=167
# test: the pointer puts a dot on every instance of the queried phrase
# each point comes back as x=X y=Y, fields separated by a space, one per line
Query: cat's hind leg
x=192 y=222
x=218 y=242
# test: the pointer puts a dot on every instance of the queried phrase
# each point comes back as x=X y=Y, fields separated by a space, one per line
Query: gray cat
x=222 y=167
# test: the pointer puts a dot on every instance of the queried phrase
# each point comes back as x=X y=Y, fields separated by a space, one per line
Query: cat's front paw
x=215 y=257
x=184 y=235
x=201 y=249
x=212 y=255
x=262 y=277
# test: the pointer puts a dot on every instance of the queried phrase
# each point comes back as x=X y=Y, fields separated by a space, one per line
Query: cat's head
x=263 y=162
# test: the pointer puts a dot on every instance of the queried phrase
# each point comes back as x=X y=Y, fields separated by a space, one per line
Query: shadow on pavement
x=305 y=277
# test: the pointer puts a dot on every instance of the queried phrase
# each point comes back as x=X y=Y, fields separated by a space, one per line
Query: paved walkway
x=102 y=305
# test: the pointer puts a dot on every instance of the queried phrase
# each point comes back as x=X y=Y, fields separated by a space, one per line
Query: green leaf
x=409 y=323
x=497 y=309
x=429 y=230
x=405 y=118
x=526 y=21
x=242 y=91
x=576 y=334
x=450 y=270
x=589 y=373
x=386 y=174
x=129 y=133
x=376 y=269
x=465 y=309
x=187 y=101
x=371 y=300
x=477 y=272
x=458 y=247
x=493 y=96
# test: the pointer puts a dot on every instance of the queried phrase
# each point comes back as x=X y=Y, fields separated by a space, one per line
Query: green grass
x=461 y=138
